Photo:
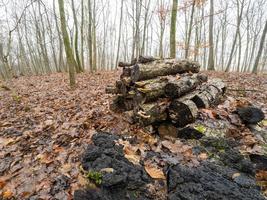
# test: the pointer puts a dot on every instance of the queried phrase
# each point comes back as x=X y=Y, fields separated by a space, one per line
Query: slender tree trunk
x=119 y=40
x=211 y=46
x=69 y=54
x=94 y=38
x=187 y=46
x=76 y=37
x=173 y=29
x=90 y=44
x=239 y=18
x=256 y=64
x=82 y=34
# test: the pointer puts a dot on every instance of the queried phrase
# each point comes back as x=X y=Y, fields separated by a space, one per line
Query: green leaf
x=202 y=129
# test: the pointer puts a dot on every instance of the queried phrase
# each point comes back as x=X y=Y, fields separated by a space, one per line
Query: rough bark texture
x=152 y=113
x=176 y=88
x=163 y=94
x=152 y=89
x=162 y=68
x=182 y=113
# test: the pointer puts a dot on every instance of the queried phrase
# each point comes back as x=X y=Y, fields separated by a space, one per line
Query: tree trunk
x=119 y=40
x=187 y=46
x=76 y=37
x=255 y=67
x=211 y=47
x=70 y=58
x=173 y=29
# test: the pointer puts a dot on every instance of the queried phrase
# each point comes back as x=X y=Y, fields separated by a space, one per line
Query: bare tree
x=262 y=42
x=70 y=58
x=173 y=29
x=211 y=47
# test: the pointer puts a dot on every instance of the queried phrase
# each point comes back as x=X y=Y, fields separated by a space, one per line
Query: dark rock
x=88 y=194
x=250 y=114
x=260 y=161
x=210 y=181
x=189 y=133
x=225 y=153
x=125 y=181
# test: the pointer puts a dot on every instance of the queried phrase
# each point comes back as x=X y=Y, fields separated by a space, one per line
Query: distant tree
x=256 y=64
x=240 y=9
x=173 y=29
x=76 y=37
x=69 y=53
x=211 y=47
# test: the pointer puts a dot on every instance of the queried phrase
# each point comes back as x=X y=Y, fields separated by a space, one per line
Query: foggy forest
x=133 y=99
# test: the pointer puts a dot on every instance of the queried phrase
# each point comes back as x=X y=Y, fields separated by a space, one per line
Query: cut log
x=152 y=113
x=110 y=89
x=177 y=88
x=182 y=113
x=189 y=133
x=141 y=59
x=121 y=103
x=146 y=59
x=207 y=95
x=140 y=72
x=121 y=87
x=152 y=89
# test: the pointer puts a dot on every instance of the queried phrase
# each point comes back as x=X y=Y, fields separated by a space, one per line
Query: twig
x=243 y=90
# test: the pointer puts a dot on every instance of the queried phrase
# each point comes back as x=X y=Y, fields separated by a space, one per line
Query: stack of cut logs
x=152 y=91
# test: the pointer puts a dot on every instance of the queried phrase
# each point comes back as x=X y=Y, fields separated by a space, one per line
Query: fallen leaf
x=45 y=158
x=7 y=194
x=135 y=159
x=235 y=175
x=154 y=172
x=2 y=184
x=107 y=170
x=66 y=168
x=210 y=113
x=203 y=156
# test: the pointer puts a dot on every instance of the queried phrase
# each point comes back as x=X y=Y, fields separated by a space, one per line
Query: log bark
x=110 y=89
x=121 y=103
x=157 y=68
x=121 y=87
x=152 y=89
x=141 y=59
x=207 y=95
x=152 y=113
x=162 y=68
x=182 y=113
x=177 y=88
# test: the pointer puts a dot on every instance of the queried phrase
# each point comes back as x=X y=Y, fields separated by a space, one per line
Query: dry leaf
x=66 y=168
x=203 y=156
x=2 y=184
x=154 y=172
x=235 y=175
x=82 y=180
x=135 y=159
x=7 y=194
x=107 y=170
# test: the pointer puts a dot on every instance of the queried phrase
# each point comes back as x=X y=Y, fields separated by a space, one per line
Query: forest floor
x=45 y=127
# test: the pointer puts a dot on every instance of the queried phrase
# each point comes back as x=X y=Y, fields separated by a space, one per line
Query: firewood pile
x=152 y=91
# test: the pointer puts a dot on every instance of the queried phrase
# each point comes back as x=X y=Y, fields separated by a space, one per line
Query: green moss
x=202 y=129
x=94 y=176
